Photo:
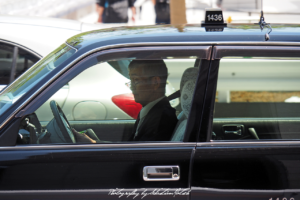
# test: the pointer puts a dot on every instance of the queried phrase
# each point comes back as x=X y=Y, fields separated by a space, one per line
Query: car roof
x=42 y=21
x=183 y=33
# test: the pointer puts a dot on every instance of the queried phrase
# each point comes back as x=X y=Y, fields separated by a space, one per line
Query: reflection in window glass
x=120 y=101
x=24 y=61
x=6 y=58
x=258 y=98
x=32 y=76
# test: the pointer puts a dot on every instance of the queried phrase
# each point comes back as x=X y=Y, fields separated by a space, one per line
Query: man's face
x=141 y=85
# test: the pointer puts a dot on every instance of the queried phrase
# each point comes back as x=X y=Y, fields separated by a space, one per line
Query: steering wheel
x=62 y=122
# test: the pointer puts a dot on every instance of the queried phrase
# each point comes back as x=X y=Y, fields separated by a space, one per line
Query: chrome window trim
x=244 y=143
x=21 y=47
x=224 y=51
x=98 y=146
x=71 y=47
x=139 y=45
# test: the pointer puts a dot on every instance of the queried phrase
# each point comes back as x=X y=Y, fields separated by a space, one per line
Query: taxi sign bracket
x=263 y=24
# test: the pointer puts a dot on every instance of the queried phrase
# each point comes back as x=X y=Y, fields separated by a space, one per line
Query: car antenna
x=262 y=23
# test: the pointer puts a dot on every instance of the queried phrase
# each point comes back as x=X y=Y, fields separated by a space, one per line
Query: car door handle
x=161 y=173
x=238 y=132
x=235 y=129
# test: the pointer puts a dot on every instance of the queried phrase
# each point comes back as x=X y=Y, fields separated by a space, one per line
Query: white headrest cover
x=189 y=74
x=186 y=96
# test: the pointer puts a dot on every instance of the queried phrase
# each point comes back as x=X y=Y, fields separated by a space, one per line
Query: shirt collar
x=148 y=107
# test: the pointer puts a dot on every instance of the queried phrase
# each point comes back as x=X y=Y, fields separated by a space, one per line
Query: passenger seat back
x=185 y=100
x=189 y=74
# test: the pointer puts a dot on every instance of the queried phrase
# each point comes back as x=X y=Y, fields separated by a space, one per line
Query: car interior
x=262 y=118
x=257 y=99
x=58 y=130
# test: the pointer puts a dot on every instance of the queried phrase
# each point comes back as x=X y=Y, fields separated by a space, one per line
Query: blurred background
x=234 y=11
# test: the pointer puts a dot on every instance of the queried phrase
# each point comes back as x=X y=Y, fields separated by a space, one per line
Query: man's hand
x=82 y=137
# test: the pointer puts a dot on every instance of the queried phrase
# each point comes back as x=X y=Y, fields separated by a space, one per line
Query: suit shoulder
x=169 y=113
x=163 y=111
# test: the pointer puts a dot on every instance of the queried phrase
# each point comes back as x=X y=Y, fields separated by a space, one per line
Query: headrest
x=189 y=74
x=187 y=96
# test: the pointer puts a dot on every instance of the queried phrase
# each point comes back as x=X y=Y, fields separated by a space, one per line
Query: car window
x=126 y=100
x=25 y=60
x=257 y=98
x=6 y=58
x=32 y=76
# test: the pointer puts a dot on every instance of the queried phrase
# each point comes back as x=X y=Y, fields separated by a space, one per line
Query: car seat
x=186 y=97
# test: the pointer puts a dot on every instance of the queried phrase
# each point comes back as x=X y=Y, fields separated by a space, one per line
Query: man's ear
x=156 y=82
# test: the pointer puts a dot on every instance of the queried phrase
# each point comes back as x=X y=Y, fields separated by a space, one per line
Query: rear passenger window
x=257 y=98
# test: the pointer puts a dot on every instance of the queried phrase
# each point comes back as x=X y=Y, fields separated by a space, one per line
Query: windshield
x=32 y=76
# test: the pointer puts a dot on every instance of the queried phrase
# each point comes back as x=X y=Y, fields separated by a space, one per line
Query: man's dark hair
x=152 y=68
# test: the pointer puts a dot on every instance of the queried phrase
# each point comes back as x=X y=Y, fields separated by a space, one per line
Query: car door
x=251 y=129
x=109 y=169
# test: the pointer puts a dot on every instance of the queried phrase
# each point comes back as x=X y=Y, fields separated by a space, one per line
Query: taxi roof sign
x=214 y=20
x=214 y=16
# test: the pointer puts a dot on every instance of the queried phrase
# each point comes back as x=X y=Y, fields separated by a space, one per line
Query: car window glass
x=24 y=61
x=127 y=100
x=6 y=58
x=257 y=98
x=32 y=76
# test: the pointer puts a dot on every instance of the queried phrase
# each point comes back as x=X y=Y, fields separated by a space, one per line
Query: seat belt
x=174 y=95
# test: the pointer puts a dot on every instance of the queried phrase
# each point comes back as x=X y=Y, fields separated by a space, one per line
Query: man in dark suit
x=157 y=119
x=114 y=11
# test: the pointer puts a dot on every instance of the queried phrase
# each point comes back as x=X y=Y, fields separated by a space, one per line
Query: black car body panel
x=255 y=170
x=211 y=165
x=95 y=167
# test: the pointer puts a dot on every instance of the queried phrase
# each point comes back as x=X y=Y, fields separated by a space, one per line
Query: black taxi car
x=238 y=129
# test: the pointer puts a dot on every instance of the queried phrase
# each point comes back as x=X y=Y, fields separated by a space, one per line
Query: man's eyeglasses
x=130 y=83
